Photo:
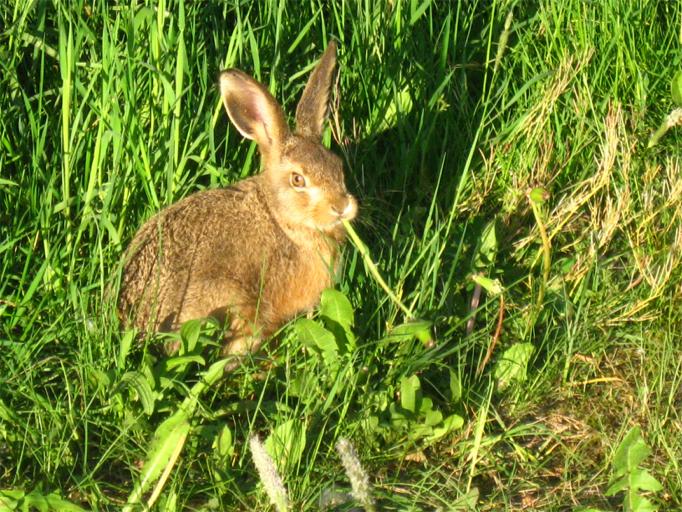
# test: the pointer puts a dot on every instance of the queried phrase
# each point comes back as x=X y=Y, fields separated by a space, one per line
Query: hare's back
x=212 y=224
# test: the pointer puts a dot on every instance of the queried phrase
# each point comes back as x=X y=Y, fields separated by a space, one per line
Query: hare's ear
x=312 y=109
x=253 y=111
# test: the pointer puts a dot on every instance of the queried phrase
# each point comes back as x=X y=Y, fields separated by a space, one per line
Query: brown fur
x=259 y=252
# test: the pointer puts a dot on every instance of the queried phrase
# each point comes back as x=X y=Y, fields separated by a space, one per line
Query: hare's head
x=304 y=180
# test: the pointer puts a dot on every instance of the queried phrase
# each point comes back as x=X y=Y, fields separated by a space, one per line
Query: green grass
x=449 y=113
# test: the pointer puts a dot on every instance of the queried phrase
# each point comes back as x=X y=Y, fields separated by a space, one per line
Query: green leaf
x=466 y=502
x=189 y=333
x=10 y=497
x=143 y=18
x=419 y=329
x=631 y=451
x=424 y=404
x=410 y=388
x=433 y=416
x=182 y=361
x=676 y=88
x=486 y=251
x=124 y=348
x=169 y=439
x=224 y=443
x=492 y=286
x=95 y=377
x=8 y=183
x=316 y=337
x=286 y=444
x=57 y=503
x=455 y=387
x=338 y=317
x=417 y=10
x=640 y=504
x=454 y=422
x=335 y=306
x=644 y=481
x=619 y=485
x=399 y=416
x=513 y=365
x=140 y=384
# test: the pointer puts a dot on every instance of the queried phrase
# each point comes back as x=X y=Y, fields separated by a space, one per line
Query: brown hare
x=259 y=252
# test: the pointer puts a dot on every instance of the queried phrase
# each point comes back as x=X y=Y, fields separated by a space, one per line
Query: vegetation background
x=499 y=150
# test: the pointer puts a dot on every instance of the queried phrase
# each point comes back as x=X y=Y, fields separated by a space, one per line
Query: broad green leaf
x=337 y=315
x=455 y=387
x=492 y=286
x=643 y=480
x=640 y=504
x=409 y=393
x=418 y=431
x=224 y=443
x=432 y=417
x=513 y=365
x=140 y=384
x=424 y=404
x=314 y=336
x=619 y=485
x=34 y=500
x=449 y=424
x=124 y=348
x=286 y=444
x=57 y=503
x=96 y=377
x=631 y=451
x=9 y=497
x=168 y=441
x=181 y=361
x=399 y=416
x=486 y=251
x=170 y=436
x=336 y=306
x=189 y=333
x=466 y=502
x=143 y=18
x=419 y=329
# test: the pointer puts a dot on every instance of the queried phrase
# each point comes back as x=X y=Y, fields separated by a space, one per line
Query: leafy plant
x=629 y=477
x=35 y=500
x=512 y=366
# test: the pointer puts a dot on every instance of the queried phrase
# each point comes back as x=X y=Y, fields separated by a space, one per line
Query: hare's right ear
x=253 y=111
x=312 y=109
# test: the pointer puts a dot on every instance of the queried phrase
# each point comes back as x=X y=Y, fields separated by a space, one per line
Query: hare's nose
x=346 y=208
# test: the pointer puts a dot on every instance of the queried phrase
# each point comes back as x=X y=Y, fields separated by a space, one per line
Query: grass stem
x=373 y=270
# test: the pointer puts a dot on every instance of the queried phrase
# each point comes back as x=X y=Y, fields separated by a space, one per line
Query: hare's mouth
x=330 y=218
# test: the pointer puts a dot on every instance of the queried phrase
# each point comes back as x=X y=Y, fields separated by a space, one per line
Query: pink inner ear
x=248 y=108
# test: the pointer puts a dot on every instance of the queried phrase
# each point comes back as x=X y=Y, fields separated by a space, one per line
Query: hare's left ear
x=312 y=109
x=254 y=112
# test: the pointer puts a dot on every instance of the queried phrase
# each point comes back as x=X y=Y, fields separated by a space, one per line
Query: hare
x=259 y=252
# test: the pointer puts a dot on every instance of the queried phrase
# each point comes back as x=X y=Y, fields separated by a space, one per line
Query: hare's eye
x=297 y=180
